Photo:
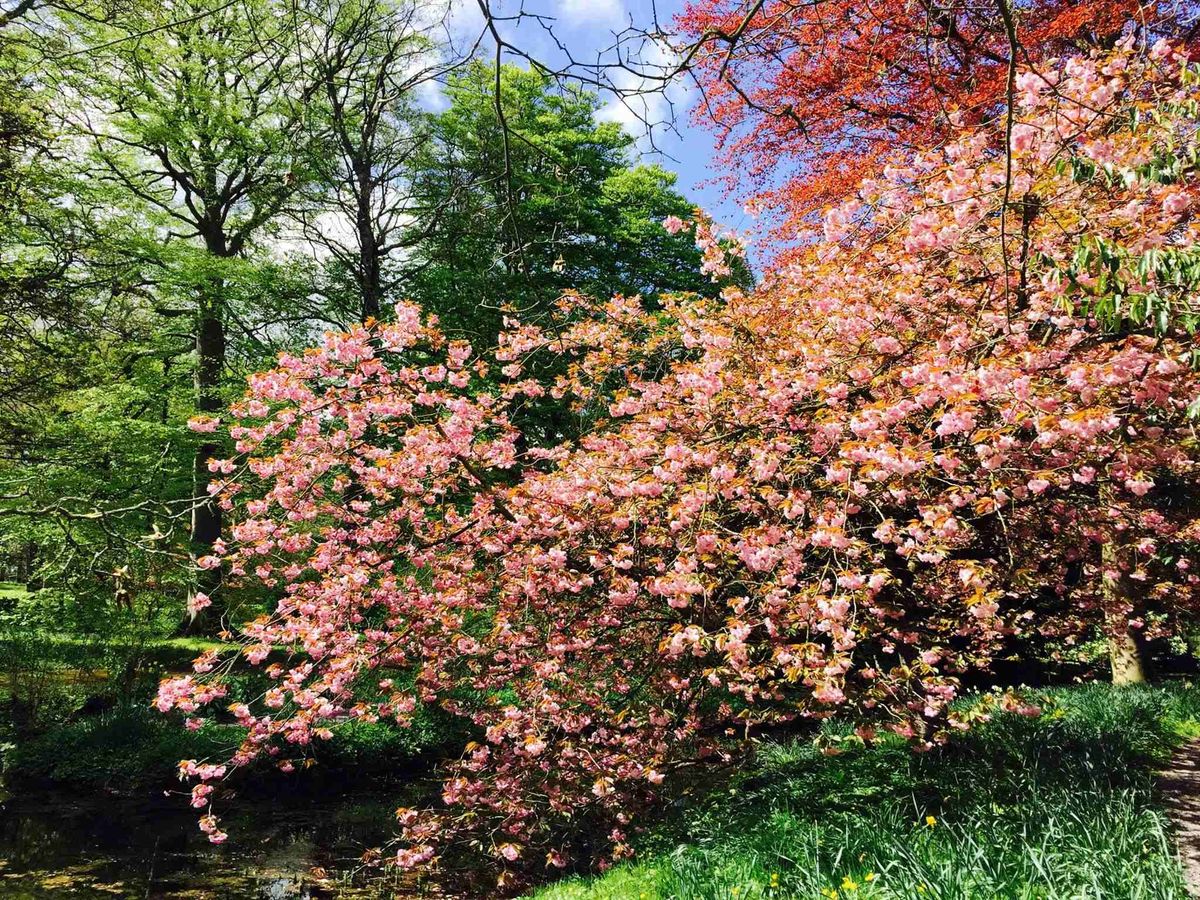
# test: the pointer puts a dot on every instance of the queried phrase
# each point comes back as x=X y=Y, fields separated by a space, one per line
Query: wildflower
x=849 y=884
x=930 y=821
x=870 y=876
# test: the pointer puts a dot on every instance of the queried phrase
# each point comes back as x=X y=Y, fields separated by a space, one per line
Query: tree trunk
x=210 y=352
x=210 y=364
x=1124 y=644
x=370 y=279
x=1125 y=655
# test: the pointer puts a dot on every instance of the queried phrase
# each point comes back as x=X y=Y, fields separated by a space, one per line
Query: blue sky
x=589 y=27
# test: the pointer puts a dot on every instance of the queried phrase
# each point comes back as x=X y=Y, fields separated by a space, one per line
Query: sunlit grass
x=1061 y=806
x=11 y=590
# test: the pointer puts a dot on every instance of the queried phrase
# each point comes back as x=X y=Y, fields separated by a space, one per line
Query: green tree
x=533 y=196
x=196 y=117
x=370 y=57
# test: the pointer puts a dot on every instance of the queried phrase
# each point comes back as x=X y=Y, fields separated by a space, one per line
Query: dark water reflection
x=58 y=845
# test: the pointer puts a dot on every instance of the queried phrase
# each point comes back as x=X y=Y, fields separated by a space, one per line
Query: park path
x=1180 y=785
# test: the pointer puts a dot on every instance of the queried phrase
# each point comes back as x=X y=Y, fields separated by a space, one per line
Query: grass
x=11 y=590
x=122 y=747
x=57 y=671
x=81 y=650
x=1061 y=806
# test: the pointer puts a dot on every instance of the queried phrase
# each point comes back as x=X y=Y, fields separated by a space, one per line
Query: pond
x=54 y=844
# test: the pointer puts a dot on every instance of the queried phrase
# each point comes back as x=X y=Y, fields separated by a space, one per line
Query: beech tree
x=196 y=115
x=529 y=198
x=533 y=195
x=81 y=423
x=846 y=489
x=35 y=250
x=370 y=58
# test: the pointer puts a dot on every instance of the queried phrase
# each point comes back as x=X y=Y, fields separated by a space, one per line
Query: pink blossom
x=1175 y=204
x=1139 y=486
x=204 y=424
x=1038 y=485
x=1024 y=137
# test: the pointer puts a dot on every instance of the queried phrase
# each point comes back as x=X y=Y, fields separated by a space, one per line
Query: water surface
x=55 y=844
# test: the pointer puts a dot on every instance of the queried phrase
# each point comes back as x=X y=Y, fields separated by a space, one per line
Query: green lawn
x=1062 y=806
x=12 y=590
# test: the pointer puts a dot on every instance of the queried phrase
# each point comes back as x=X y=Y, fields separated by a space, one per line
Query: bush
x=383 y=749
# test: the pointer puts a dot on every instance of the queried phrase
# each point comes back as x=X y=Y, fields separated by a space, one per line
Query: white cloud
x=633 y=112
x=592 y=12
x=463 y=18
x=430 y=96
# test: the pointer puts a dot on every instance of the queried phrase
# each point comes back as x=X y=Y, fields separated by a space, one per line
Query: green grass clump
x=82 y=652
x=1059 y=806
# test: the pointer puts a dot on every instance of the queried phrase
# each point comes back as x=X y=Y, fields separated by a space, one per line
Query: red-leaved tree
x=808 y=98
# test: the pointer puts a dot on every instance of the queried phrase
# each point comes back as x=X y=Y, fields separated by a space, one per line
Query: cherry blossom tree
x=960 y=420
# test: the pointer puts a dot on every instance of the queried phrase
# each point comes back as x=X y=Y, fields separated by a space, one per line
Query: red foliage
x=807 y=98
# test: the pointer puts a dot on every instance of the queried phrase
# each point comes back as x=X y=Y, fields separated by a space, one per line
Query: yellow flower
x=870 y=876
x=774 y=879
x=849 y=884
x=930 y=821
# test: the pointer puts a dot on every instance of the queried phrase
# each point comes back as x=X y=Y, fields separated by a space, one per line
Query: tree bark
x=1124 y=644
x=210 y=352
x=210 y=365
x=369 y=274
x=1125 y=656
